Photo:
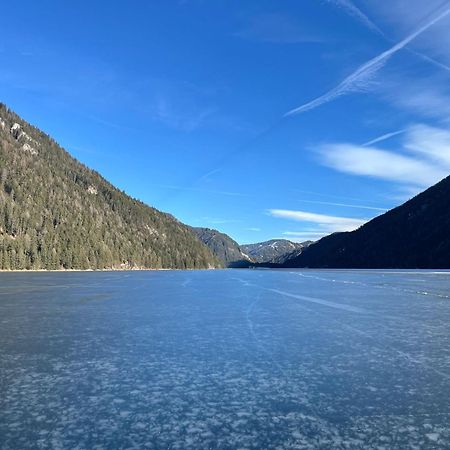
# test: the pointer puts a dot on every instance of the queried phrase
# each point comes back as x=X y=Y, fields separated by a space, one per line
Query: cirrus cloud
x=383 y=164
x=362 y=78
x=315 y=226
x=421 y=159
x=326 y=222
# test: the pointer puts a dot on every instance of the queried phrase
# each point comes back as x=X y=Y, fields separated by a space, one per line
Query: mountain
x=413 y=235
x=55 y=213
x=234 y=255
x=275 y=250
x=223 y=247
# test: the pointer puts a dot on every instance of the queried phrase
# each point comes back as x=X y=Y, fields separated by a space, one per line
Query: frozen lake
x=225 y=359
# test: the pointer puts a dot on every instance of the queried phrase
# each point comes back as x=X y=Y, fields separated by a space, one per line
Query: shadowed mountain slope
x=413 y=235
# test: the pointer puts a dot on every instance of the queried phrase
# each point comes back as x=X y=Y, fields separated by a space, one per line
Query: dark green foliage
x=413 y=235
x=55 y=213
x=223 y=247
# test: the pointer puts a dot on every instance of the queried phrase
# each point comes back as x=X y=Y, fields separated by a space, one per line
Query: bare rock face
x=2 y=124
x=19 y=135
x=16 y=131
x=30 y=149
x=92 y=190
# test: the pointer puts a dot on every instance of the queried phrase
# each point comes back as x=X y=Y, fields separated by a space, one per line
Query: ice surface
x=225 y=359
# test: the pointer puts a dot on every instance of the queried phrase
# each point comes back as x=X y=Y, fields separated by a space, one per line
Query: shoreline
x=95 y=270
x=434 y=271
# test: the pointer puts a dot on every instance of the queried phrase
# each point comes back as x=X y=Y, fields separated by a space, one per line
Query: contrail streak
x=352 y=10
x=360 y=77
x=384 y=137
x=355 y=12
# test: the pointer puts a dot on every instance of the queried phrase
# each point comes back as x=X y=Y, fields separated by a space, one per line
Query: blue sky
x=263 y=119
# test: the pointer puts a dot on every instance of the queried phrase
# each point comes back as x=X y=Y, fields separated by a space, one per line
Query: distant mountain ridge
x=234 y=255
x=55 y=213
x=275 y=250
x=414 y=235
x=223 y=247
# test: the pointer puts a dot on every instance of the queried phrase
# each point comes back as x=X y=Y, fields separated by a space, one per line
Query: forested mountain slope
x=413 y=235
x=55 y=213
x=223 y=247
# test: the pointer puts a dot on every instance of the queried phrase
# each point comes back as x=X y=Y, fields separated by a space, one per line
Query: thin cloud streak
x=431 y=143
x=326 y=222
x=427 y=58
x=383 y=137
x=352 y=10
x=302 y=233
x=216 y=221
x=360 y=78
x=207 y=191
x=423 y=158
x=252 y=195
x=428 y=97
x=302 y=236
x=208 y=175
x=347 y=205
x=321 y=194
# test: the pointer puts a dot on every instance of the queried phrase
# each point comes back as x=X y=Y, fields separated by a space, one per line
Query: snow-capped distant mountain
x=275 y=250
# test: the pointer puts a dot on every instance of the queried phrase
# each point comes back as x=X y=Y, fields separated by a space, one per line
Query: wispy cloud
x=208 y=175
x=181 y=117
x=427 y=96
x=207 y=191
x=352 y=10
x=327 y=224
x=361 y=78
x=427 y=58
x=403 y=15
x=425 y=158
x=383 y=137
x=383 y=164
x=405 y=192
x=302 y=236
x=255 y=229
x=302 y=233
x=338 y=197
x=430 y=142
x=115 y=125
x=315 y=226
x=346 y=205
